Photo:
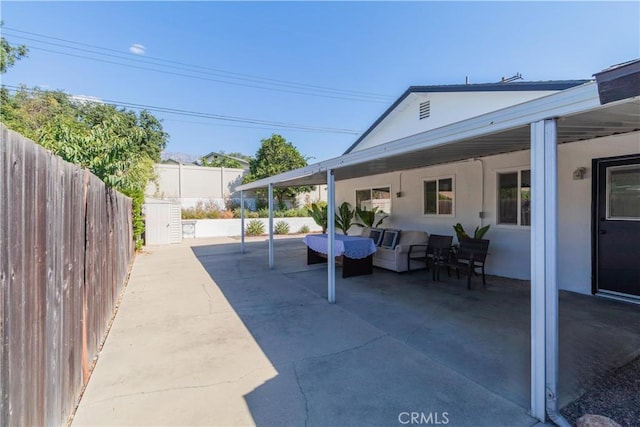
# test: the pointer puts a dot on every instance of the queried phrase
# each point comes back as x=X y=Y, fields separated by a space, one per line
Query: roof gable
x=467 y=88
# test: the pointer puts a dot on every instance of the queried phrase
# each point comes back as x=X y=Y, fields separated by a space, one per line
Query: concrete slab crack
x=347 y=350
x=186 y=387
x=204 y=287
x=306 y=401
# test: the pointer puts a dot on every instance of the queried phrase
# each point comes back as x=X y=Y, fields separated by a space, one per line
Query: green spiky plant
x=281 y=227
x=477 y=234
x=344 y=217
x=319 y=214
x=368 y=218
x=255 y=227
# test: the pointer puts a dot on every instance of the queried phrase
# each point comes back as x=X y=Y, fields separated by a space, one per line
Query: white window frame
x=370 y=189
x=518 y=171
x=453 y=203
x=608 y=194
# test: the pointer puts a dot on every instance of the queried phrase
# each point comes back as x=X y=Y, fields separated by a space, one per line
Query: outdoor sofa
x=393 y=245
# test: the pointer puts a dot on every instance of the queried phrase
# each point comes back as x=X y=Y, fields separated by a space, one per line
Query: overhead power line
x=212 y=116
x=259 y=82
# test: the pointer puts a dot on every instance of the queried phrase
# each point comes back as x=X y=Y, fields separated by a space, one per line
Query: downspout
x=552 y=410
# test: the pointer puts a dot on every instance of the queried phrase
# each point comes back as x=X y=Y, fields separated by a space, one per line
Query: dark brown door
x=617 y=226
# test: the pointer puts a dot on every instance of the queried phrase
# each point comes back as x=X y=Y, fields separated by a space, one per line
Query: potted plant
x=318 y=212
x=344 y=215
x=477 y=234
x=368 y=218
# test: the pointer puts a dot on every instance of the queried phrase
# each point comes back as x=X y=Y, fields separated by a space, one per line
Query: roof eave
x=570 y=101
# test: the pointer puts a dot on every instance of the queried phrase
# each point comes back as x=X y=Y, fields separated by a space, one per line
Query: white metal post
x=331 y=230
x=538 y=375
x=544 y=288
x=271 y=225
x=241 y=221
x=551 y=270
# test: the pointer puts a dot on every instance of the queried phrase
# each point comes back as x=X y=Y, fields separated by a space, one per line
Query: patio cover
x=571 y=115
x=578 y=111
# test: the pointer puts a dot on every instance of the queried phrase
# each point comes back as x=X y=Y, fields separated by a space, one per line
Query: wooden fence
x=65 y=249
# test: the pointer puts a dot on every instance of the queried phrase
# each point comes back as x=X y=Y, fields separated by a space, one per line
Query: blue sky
x=367 y=52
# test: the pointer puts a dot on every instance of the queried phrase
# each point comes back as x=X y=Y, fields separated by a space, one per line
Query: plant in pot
x=478 y=233
x=368 y=218
x=319 y=214
x=344 y=217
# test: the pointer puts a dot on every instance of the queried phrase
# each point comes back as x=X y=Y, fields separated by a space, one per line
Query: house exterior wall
x=475 y=183
x=446 y=108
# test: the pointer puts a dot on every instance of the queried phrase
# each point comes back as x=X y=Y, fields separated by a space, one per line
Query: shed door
x=617 y=226
x=158 y=224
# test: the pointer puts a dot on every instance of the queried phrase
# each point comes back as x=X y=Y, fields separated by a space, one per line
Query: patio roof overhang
x=574 y=114
x=578 y=111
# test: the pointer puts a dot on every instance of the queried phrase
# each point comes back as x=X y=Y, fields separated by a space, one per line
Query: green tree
x=9 y=54
x=226 y=160
x=117 y=145
x=276 y=155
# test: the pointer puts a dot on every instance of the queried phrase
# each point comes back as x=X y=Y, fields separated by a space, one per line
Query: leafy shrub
x=262 y=204
x=203 y=210
x=263 y=213
x=304 y=229
x=231 y=204
x=281 y=227
x=300 y=212
x=255 y=227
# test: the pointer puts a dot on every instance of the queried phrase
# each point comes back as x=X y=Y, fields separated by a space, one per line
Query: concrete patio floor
x=207 y=336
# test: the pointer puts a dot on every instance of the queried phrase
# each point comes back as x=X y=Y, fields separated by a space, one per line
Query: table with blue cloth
x=355 y=253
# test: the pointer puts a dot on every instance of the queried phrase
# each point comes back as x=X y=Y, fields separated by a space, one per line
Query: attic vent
x=425 y=109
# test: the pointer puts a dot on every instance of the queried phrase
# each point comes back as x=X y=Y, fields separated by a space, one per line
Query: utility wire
x=347 y=94
x=204 y=78
x=211 y=116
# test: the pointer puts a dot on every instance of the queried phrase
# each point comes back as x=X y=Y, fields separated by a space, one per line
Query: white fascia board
x=283 y=177
x=570 y=101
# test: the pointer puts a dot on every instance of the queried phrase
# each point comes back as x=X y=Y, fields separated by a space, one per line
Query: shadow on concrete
x=396 y=344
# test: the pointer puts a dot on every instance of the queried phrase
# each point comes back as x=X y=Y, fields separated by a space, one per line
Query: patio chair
x=436 y=251
x=471 y=255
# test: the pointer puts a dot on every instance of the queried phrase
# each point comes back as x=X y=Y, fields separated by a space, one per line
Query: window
x=438 y=197
x=623 y=192
x=514 y=198
x=370 y=198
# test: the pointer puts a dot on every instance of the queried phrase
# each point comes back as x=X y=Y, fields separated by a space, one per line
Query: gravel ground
x=616 y=396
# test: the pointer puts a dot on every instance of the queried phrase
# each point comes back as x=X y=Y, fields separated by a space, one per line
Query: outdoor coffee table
x=355 y=253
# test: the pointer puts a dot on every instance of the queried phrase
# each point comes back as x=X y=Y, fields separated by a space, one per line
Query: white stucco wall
x=509 y=251
x=446 y=108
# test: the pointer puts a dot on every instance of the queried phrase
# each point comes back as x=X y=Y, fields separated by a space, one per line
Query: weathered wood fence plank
x=65 y=249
